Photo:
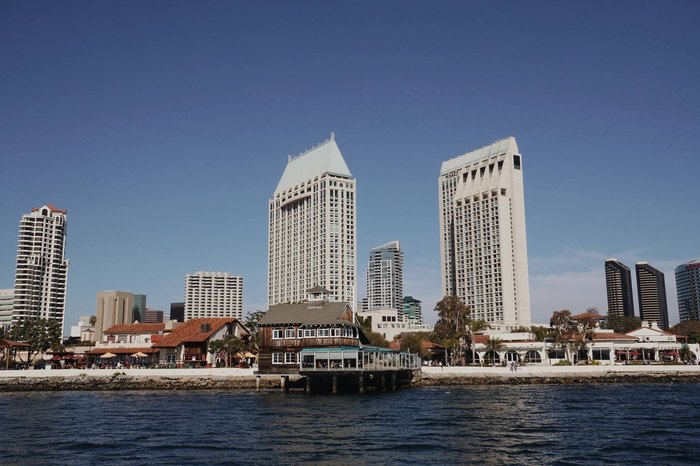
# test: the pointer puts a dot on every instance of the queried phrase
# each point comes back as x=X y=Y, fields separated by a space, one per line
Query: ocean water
x=527 y=424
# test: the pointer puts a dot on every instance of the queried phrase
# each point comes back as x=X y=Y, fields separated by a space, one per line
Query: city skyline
x=193 y=124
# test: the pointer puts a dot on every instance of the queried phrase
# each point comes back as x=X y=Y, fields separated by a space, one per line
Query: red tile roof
x=612 y=336
x=191 y=331
x=13 y=344
x=135 y=328
x=52 y=207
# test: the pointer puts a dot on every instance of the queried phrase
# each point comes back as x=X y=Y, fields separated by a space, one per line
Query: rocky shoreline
x=120 y=381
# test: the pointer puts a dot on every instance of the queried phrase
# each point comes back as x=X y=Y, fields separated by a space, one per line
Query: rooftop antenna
x=332 y=135
x=289 y=158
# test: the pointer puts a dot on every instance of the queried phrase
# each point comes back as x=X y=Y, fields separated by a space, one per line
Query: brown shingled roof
x=191 y=331
x=136 y=328
x=305 y=314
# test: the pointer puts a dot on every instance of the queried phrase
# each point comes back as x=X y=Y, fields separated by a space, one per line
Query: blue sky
x=163 y=128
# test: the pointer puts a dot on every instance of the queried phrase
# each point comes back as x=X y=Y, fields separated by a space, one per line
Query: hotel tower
x=312 y=228
x=483 y=246
x=42 y=269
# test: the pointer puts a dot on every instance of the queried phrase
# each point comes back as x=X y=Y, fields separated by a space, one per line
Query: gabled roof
x=192 y=331
x=303 y=314
x=13 y=344
x=135 y=328
x=502 y=145
x=655 y=330
x=324 y=158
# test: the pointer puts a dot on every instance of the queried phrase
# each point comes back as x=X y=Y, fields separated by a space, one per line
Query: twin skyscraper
x=313 y=231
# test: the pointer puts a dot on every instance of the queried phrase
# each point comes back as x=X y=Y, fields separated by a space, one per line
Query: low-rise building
x=188 y=344
x=390 y=323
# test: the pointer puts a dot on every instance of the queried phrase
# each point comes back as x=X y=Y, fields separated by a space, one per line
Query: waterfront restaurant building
x=286 y=329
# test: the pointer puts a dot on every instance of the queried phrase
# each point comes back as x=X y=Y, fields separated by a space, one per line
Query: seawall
x=235 y=379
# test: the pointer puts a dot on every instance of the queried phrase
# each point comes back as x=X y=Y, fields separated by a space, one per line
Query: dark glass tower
x=688 y=288
x=618 y=281
x=651 y=292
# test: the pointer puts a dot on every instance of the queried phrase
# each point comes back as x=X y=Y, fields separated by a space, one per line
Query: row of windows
x=292 y=333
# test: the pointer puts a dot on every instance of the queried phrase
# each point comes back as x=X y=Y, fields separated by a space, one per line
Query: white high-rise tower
x=42 y=270
x=385 y=277
x=213 y=294
x=312 y=228
x=483 y=244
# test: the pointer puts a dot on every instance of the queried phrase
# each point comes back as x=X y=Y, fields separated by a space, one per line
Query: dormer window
x=289 y=332
x=276 y=333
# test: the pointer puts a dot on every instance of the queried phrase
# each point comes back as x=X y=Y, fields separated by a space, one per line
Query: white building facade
x=390 y=324
x=6 y=300
x=483 y=242
x=213 y=294
x=42 y=270
x=312 y=228
x=385 y=277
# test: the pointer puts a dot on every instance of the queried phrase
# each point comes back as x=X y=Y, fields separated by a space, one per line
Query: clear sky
x=163 y=128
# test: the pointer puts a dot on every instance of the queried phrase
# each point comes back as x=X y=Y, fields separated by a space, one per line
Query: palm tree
x=474 y=327
x=493 y=346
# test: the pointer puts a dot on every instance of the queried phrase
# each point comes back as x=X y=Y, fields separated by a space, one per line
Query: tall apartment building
x=6 y=300
x=42 y=270
x=483 y=244
x=688 y=289
x=385 y=277
x=618 y=282
x=412 y=311
x=213 y=294
x=651 y=293
x=112 y=308
x=312 y=228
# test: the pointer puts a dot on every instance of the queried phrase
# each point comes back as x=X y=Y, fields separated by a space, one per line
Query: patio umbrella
x=108 y=356
x=139 y=355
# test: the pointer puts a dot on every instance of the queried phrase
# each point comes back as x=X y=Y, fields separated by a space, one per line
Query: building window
x=336 y=332
x=290 y=358
x=300 y=333
x=309 y=333
x=324 y=332
x=289 y=332
x=276 y=334
x=277 y=358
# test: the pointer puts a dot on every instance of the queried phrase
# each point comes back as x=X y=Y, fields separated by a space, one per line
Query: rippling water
x=537 y=424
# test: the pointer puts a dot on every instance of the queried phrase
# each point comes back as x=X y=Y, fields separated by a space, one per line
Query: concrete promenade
x=233 y=378
x=556 y=371
x=202 y=373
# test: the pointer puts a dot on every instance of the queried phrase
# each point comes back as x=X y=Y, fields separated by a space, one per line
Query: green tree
x=571 y=334
x=2 y=332
x=542 y=333
x=413 y=342
x=621 y=324
x=690 y=329
x=93 y=321
x=227 y=348
x=685 y=353
x=365 y=323
x=376 y=339
x=493 y=346
x=451 y=328
x=40 y=334
x=251 y=323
